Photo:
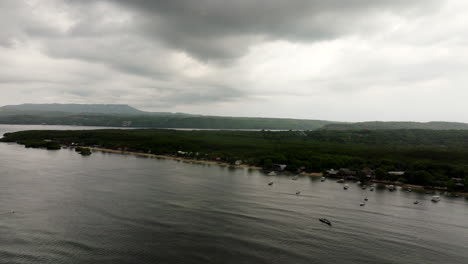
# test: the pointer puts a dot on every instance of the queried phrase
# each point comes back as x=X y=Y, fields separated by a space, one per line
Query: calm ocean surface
x=60 y=207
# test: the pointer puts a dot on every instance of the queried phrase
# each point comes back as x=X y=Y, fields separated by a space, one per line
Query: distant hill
x=118 y=115
x=124 y=115
x=75 y=108
x=376 y=125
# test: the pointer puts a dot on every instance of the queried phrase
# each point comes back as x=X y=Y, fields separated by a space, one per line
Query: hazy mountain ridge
x=118 y=115
x=123 y=115
x=75 y=108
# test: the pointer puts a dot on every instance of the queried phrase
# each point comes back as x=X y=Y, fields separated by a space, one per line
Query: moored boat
x=435 y=198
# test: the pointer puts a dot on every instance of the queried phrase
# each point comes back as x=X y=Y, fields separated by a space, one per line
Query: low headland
x=433 y=159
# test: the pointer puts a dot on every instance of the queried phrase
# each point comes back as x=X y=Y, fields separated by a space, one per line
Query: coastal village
x=365 y=175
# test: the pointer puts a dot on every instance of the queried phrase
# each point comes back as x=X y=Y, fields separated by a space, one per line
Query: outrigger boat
x=325 y=221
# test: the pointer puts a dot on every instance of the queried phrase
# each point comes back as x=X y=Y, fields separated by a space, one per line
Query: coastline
x=220 y=163
x=209 y=162
x=225 y=164
x=188 y=160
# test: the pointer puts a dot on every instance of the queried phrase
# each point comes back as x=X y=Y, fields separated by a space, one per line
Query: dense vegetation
x=429 y=157
x=114 y=115
x=156 y=120
x=397 y=125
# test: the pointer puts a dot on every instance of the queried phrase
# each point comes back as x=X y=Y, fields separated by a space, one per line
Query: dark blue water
x=60 y=207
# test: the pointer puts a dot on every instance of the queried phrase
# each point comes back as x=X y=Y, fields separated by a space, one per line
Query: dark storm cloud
x=214 y=29
x=221 y=30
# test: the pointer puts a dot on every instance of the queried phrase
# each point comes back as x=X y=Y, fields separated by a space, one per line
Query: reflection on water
x=60 y=207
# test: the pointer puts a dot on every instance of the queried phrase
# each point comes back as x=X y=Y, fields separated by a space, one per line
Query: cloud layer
x=341 y=60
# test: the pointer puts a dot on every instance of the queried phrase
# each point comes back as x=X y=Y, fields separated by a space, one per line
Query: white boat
x=362 y=204
x=340 y=181
x=391 y=188
x=272 y=173
x=435 y=198
x=322 y=179
x=346 y=186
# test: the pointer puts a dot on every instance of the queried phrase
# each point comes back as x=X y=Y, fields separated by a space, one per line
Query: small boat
x=340 y=181
x=366 y=199
x=362 y=204
x=409 y=189
x=435 y=198
x=324 y=220
x=298 y=192
x=295 y=178
x=391 y=188
x=416 y=202
x=322 y=179
x=346 y=186
x=371 y=189
x=270 y=183
x=364 y=187
x=272 y=173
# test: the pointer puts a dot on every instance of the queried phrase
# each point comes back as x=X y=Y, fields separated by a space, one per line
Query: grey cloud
x=214 y=30
x=202 y=95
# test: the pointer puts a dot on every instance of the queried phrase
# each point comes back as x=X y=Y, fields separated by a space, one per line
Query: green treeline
x=158 y=121
x=429 y=157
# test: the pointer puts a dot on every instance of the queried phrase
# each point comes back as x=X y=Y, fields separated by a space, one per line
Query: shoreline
x=209 y=162
x=188 y=160
x=244 y=166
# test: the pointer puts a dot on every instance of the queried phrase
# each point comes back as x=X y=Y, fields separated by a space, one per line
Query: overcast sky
x=346 y=60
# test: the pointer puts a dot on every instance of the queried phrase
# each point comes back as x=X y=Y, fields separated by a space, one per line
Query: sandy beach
x=210 y=162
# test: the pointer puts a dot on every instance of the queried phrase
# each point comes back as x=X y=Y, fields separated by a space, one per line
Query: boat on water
x=326 y=221
x=435 y=198
x=346 y=186
x=371 y=189
x=416 y=202
x=340 y=181
x=271 y=173
x=298 y=192
x=366 y=199
x=270 y=183
x=322 y=179
x=391 y=188
x=362 y=204
x=409 y=189
x=358 y=182
x=364 y=187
